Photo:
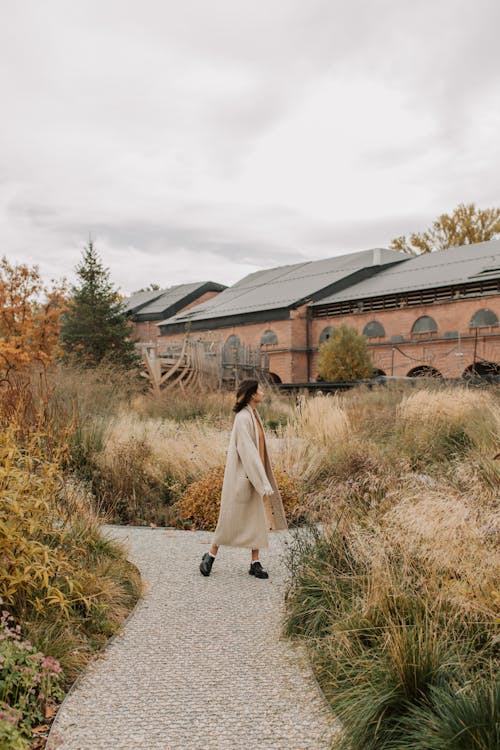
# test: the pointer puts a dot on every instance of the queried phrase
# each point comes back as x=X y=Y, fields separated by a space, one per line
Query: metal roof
x=140 y=299
x=161 y=302
x=455 y=265
x=286 y=286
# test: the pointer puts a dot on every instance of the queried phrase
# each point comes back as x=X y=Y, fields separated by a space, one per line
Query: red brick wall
x=147 y=331
x=288 y=358
x=444 y=355
x=203 y=298
x=280 y=361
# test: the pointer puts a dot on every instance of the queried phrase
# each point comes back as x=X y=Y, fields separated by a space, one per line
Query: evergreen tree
x=344 y=356
x=95 y=326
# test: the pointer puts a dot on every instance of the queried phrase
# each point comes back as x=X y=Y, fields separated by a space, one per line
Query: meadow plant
x=198 y=506
x=30 y=682
x=396 y=592
x=68 y=585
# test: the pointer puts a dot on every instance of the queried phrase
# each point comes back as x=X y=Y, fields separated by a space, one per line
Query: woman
x=250 y=502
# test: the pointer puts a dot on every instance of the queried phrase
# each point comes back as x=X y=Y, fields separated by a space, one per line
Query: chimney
x=377 y=258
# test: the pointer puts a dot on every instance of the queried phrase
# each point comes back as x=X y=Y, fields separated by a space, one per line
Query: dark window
x=425 y=324
x=424 y=371
x=373 y=330
x=484 y=319
x=325 y=334
x=269 y=337
x=231 y=349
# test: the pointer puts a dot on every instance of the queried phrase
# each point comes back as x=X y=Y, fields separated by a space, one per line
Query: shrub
x=30 y=683
x=344 y=356
x=386 y=643
x=199 y=505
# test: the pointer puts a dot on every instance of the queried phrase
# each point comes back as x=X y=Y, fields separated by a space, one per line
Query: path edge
x=52 y=743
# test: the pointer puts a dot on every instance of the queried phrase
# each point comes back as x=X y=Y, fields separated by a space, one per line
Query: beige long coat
x=245 y=515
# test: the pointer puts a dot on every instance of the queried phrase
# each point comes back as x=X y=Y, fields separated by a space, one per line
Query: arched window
x=373 y=330
x=482 y=370
x=268 y=337
x=425 y=324
x=483 y=319
x=325 y=334
x=424 y=371
x=231 y=349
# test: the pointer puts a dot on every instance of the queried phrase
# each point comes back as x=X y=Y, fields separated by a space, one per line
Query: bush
x=199 y=505
x=388 y=645
x=344 y=356
x=69 y=586
x=30 y=684
x=457 y=720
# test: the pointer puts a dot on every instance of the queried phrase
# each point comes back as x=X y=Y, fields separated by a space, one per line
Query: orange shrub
x=200 y=502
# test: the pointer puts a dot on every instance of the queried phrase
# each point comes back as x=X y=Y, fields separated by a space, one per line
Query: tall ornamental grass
x=396 y=590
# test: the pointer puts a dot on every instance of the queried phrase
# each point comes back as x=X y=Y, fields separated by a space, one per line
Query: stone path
x=200 y=664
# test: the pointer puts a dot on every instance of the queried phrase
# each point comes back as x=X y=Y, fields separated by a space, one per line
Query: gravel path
x=200 y=664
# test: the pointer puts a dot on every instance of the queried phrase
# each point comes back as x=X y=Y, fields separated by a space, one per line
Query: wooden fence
x=208 y=364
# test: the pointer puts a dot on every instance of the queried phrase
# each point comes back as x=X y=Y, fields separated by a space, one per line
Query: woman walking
x=250 y=502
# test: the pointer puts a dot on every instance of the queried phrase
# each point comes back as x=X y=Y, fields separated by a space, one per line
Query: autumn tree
x=465 y=226
x=95 y=326
x=344 y=356
x=29 y=318
x=150 y=288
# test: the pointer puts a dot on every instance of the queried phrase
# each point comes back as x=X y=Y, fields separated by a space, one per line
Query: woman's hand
x=268 y=490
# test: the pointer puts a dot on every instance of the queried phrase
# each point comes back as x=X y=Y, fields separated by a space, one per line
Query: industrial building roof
x=288 y=286
x=450 y=267
x=139 y=300
x=156 y=305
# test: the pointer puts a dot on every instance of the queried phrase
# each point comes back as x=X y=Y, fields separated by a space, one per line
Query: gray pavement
x=200 y=664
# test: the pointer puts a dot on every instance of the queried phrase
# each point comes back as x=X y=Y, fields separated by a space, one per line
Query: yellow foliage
x=200 y=502
x=344 y=356
x=29 y=328
x=39 y=568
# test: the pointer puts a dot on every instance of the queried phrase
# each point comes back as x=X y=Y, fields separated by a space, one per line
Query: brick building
x=430 y=314
x=272 y=309
x=146 y=309
x=435 y=314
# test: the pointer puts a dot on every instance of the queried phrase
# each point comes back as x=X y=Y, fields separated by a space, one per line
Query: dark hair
x=246 y=389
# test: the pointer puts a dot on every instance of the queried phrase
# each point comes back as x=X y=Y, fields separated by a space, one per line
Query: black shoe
x=206 y=564
x=257 y=570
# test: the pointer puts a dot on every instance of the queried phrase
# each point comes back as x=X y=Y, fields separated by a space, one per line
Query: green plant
x=95 y=326
x=384 y=640
x=344 y=356
x=467 y=718
x=30 y=682
x=11 y=737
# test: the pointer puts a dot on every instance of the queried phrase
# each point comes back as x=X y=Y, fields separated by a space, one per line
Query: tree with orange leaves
x=29 y=318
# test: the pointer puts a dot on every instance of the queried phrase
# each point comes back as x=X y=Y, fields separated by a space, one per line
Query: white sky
x=205 y=139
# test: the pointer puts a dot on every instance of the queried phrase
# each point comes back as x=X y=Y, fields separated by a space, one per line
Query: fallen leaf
x=40 y=728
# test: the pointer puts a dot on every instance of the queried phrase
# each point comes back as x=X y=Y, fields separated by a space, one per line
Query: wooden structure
x=203 y=363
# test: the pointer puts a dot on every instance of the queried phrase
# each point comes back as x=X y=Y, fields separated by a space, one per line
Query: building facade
x=434 y=314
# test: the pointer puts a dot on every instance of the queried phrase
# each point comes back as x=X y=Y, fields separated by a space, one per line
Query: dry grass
x=179 y=452
x=399 y=597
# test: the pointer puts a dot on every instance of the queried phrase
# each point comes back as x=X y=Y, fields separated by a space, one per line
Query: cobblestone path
x=200 y=664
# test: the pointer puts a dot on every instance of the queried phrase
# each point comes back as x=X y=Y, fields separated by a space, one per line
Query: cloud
x=215 y=138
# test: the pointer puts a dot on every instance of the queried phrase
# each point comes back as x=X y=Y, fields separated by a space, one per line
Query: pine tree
x=344 y=356
x=95 y=326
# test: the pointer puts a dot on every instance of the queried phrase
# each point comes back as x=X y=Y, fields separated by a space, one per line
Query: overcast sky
x=204 y=139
